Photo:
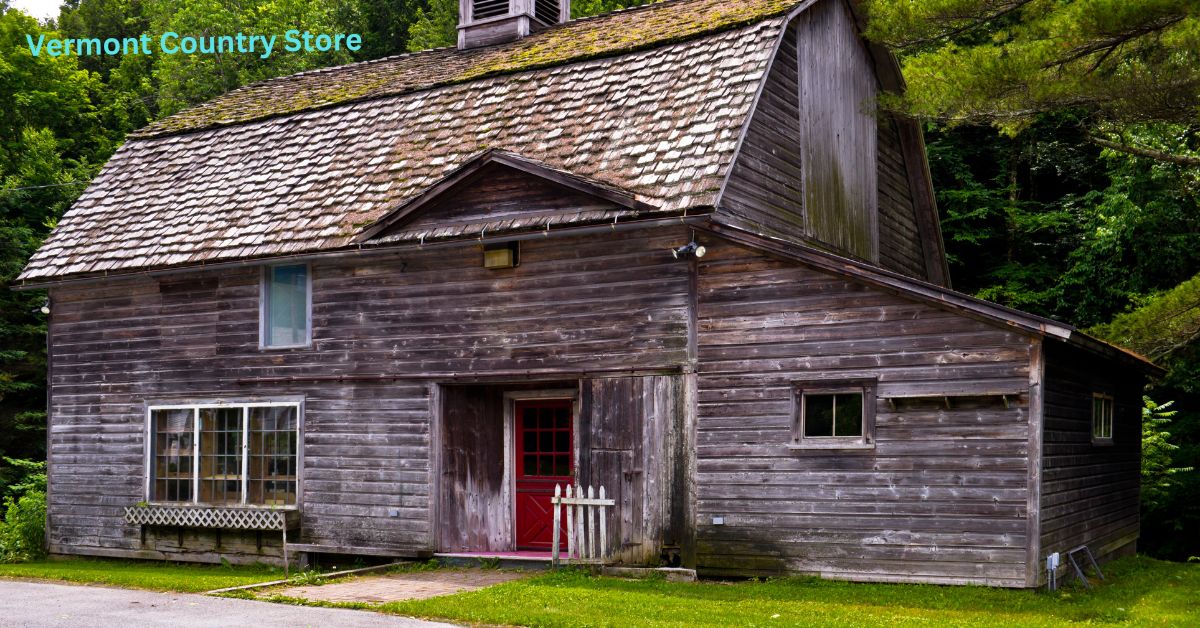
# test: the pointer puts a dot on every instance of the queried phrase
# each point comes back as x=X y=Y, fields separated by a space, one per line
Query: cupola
x=489 y=22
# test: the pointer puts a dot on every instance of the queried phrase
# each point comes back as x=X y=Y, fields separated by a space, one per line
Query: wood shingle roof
x=651 y=101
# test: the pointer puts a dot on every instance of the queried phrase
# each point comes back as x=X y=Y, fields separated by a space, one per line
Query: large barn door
x=474 y=510
x=627 y=437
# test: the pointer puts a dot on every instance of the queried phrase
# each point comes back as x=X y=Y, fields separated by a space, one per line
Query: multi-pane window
x=221 y=453
x=545 y=439
x=286 y=301
x=273 y=446
x=1102 y=418
x=174 y=454
x=834 y=414
x=225 y=455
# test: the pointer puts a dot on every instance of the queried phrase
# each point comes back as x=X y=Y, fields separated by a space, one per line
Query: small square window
x=834 y=415
x=286 y=307
x=1102 y=419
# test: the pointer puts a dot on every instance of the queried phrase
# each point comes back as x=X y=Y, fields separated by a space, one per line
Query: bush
x=23 y=531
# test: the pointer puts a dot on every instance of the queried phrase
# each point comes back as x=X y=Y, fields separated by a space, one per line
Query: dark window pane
x=818 y=415
x=273 y=454
x=562 y=441
x=530 y=441
x=546 y=442
x=530 y=465
x=546 y=465
x=849 y=415
x=547 y=419
x=562 y=418
x=173 y=466
x=562 y=466
x=529 y=418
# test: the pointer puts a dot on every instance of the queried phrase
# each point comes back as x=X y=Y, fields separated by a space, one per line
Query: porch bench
x=218 y=517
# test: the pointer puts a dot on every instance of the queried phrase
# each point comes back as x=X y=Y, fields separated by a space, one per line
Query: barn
x=384 y=309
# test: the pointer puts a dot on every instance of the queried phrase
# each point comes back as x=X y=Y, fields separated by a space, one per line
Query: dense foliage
x=23 y=526
x=1084 y=207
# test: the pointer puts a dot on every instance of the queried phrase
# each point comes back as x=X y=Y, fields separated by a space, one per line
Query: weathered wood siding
x=497 y=193
x=943 y=495
x=900 y=240
x=837 y=123
x=475 y=513
x=611 y=301
x=766 y=183
x=1089 y=493
x=852 y=193
x=628 y=433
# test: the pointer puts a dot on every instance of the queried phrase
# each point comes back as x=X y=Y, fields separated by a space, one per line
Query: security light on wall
x=691 y=249
x=501 y=255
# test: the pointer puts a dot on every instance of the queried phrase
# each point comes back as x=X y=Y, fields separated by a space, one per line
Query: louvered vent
x=546 y=11
x=483 y=9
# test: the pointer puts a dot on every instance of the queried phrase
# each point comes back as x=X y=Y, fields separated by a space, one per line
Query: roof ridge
x=414 y=53
x=681 y=21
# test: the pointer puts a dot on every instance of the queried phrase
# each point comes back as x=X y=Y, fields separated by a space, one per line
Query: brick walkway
x=416 y=585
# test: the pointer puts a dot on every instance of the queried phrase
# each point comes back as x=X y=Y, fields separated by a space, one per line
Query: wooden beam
x=920 y=181
x=1033 y=527
x=472 y=376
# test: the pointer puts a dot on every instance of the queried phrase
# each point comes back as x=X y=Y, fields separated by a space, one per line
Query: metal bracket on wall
x=1079 y=571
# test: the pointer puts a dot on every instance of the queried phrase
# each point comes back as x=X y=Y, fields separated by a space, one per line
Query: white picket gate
x=587 y=524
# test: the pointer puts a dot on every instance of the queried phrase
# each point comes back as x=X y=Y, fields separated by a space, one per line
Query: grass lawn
x=1140 y=591
x=158 y=576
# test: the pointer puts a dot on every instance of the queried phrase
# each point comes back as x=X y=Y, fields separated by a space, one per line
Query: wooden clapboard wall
x=628 y=438
x=943 y=496
x=612 y=301
x=852 y=193
x=1089 y=493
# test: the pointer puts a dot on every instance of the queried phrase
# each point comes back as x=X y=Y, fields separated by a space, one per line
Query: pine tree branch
x=1149 y=153
x=988 y=15
x=1112 y=43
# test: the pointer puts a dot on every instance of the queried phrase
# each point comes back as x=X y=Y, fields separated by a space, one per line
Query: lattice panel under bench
x=280 y=520
x=215 y=517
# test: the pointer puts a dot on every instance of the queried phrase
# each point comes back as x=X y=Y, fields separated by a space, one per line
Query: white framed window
x=1102 y=419
x=224 y=454
x=286 y=307
x=836 y=414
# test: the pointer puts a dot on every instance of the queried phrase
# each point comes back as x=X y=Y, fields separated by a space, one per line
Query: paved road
x=37 y=604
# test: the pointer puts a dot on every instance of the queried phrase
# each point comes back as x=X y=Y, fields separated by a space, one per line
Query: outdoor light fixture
x=501 y=255
x=691 y=249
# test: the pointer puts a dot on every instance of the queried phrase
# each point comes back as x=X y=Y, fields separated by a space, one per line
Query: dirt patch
x=395 y=587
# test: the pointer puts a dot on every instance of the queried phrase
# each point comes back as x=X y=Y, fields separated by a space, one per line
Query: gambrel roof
x=650 y=101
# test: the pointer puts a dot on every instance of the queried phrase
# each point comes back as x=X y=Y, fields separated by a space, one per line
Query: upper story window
x=834 y=415
x=1102 y=419
x=286 y=306
x=225 y=455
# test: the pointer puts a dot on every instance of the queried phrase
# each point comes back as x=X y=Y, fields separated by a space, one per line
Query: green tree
x=52 y=135
x=1005 y=61
x=434 y=25
x=183 y=80
x=384 y=25
x=1157 y=452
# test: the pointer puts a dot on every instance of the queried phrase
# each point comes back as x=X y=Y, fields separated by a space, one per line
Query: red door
x=545 y=457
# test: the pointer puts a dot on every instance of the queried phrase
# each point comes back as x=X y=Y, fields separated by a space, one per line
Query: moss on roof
x=606 y=35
